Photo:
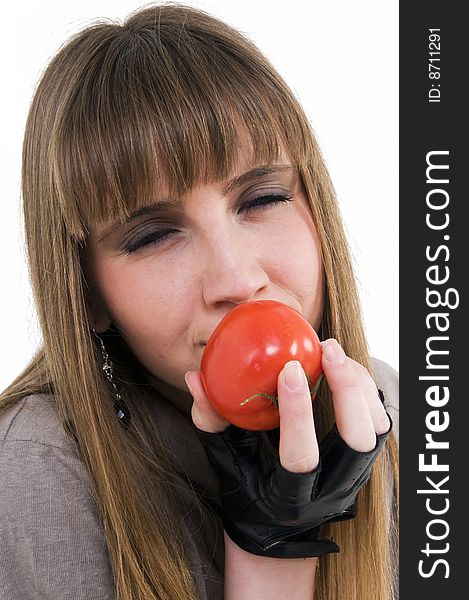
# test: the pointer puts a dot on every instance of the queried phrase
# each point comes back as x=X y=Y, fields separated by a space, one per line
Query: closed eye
x=153 y=237
x=264 y=201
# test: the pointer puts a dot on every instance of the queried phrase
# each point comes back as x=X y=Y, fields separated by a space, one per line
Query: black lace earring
x=122 y=412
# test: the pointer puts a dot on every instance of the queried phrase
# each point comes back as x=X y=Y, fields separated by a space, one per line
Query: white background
x=341 y=60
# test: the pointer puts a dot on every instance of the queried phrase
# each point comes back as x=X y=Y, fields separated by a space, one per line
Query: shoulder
x=51 y=534
x=35 y=449
x=34 y=419
x=387 y=380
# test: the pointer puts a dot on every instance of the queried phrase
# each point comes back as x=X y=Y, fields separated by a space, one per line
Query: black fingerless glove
x=270 y=511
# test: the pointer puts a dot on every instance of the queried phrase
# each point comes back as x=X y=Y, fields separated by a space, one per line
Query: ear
x=98 y=317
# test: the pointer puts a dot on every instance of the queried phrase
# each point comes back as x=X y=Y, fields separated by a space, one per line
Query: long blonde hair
x=121 y=108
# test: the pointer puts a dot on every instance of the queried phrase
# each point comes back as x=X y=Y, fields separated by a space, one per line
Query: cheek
x=313 y=305
x=298 y=265
x=137 y=297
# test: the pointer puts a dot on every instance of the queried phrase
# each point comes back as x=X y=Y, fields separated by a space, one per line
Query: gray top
x=51 y=543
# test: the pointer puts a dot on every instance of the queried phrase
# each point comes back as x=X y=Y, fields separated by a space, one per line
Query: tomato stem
x=274 y=399
x=314 y=390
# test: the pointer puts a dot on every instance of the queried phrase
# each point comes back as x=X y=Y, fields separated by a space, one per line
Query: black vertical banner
x=434 y=267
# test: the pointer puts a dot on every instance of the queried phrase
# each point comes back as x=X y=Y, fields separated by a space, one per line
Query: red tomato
x=245 y=354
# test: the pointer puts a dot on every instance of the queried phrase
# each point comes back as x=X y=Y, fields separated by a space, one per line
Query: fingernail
x=333 y=352
x=186 y=379
x=294 y=376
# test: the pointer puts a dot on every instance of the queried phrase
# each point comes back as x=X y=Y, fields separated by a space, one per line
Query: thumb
x=204 y=416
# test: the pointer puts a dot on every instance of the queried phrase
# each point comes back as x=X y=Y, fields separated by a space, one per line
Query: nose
x=233 y=271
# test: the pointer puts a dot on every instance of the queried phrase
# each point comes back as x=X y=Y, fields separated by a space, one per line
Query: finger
x=298 y=446
x=378 y=414
x=343 y=468
x=204 y=416
x=351 y=410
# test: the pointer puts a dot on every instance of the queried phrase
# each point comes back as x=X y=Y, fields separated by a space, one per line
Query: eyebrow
x=254 y=174
x=165 y=204
x=141 y=212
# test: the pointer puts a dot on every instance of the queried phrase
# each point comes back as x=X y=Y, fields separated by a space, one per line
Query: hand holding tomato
x=255 y=479
x=359 y=412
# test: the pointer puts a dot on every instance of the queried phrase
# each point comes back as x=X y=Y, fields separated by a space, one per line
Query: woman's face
x=167 y=277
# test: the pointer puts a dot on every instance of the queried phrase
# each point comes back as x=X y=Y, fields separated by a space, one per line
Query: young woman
x=169 y=175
